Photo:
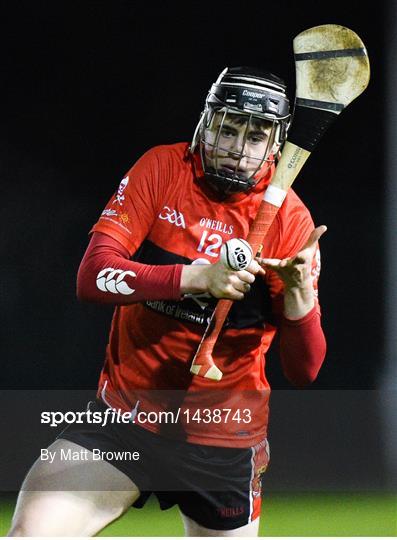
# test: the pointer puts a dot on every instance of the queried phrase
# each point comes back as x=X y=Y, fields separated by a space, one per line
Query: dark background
x=87 y=88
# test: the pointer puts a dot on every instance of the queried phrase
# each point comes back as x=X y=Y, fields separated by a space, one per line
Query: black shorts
x=219 y=488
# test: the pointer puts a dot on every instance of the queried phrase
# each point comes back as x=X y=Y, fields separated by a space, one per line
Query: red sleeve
x=302 y=348
x=302 y=342
x=107 y=276
x=131 y=212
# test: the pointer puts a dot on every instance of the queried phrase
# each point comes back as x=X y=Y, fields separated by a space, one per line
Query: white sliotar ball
x=236 y=254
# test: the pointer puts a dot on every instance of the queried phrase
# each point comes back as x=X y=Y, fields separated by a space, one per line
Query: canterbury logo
x=111 y=280
x=173 y=216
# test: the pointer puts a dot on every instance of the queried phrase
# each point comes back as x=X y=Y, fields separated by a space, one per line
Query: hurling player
x=154 y=255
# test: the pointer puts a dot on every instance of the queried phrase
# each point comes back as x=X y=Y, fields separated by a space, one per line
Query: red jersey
x=162 y=214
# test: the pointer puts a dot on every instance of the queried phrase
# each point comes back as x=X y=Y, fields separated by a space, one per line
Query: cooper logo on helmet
x=253 y=94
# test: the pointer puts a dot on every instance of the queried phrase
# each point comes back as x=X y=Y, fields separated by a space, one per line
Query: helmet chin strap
x=224 y=185
x=228 y=184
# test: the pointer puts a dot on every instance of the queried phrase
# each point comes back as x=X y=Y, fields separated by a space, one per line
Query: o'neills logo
x=216 y=225
x=253 y=94
x=230 y=512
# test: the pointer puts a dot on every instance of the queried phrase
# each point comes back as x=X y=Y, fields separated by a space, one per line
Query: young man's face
x=237 y=139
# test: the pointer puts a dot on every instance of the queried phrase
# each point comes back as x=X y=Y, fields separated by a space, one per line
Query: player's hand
x=295 y=272
x=225 y=283
x=218 y=280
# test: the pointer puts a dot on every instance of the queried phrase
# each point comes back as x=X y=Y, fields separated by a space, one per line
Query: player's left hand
x=295 y=272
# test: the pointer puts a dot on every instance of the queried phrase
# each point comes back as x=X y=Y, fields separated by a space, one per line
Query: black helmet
x=259 y=96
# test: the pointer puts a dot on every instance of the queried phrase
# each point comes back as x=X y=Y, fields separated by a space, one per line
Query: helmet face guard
x=241 y=107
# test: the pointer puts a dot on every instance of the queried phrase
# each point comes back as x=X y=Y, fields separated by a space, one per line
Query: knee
x=19 y=529
x=26 y=523
x=23 y=526
x=26 y=528
x=45 y=529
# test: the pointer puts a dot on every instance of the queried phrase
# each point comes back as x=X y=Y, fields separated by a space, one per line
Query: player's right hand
x=222 y=282
x=219 y=280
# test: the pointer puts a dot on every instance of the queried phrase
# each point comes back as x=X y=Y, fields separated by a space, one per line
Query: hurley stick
x=332 y=69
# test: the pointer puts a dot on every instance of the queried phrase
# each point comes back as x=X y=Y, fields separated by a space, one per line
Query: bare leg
x=68 y=498
x=194 y=529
